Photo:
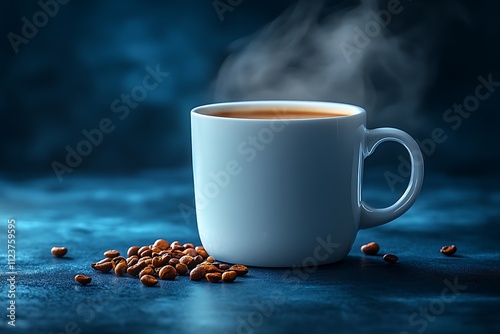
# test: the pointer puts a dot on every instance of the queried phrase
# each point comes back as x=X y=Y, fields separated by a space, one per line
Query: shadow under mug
x=281 y=192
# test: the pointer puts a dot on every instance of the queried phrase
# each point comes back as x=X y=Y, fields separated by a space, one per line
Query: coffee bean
x=132 y=260
x=190 y=251
x=147 y=271
x=106 y=259
x=449 y=250
x=198 y=259
x=104 y=267
x=142 y=249
x=59 y=251
x=149 y=280
x=188 y=245
x=229 y=276
x=181 y=268
x=202 y=252
x=146 y=252
x=173 y=261
x=132 y=250
x=136 y=269
x=167 y=273
x=213 y=277
x=224 y=266
x=197 y=274
x=188 y=261
x=162 y=244
x=176 y=245
x=176 y=253
x=82 y=279
x=210 y=268
x=121 y=268
x=166 y=257
x=391 y=258
x=210 y=259
x=157 y=262
x=156 y=250
x=371 y=248
x=240 y=269
x=111 y=253
x=117 y=260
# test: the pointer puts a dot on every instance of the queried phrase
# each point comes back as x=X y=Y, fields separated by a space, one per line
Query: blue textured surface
x=359 y=294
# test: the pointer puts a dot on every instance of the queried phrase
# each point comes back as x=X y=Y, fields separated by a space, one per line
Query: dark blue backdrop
x=69 y=67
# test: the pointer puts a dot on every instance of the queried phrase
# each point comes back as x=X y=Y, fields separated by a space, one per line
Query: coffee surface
x=279 y=114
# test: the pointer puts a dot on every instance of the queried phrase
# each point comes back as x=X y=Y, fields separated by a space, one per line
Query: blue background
x=65 y=79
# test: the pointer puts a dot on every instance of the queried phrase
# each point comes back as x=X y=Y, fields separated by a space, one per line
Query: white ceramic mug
x=285 y=192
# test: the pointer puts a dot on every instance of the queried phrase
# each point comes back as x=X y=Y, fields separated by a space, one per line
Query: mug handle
x=371 y=217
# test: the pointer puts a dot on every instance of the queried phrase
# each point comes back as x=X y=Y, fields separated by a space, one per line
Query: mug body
x=278 y=192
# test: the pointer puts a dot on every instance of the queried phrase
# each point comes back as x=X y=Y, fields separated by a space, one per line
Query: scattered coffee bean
x=449 y=250
x=371 y=248
x=224 y=266
x=210 y=259
x=197 y=274
x=198 y=259
x=111 y=253
x=240 y=269
x=167 y=273
x=104 y=267
x=82 y=279
x=188 y=245
x=391 y=258
x=229 y=276
x=213 y=277
x=149 y=280
x=59 y=251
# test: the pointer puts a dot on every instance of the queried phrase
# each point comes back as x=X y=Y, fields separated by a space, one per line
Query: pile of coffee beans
x=165 y=261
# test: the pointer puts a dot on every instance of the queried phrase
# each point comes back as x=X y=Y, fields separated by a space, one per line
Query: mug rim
x=207 y=110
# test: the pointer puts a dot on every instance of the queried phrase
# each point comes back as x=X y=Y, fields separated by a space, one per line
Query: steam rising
x=305 y=54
